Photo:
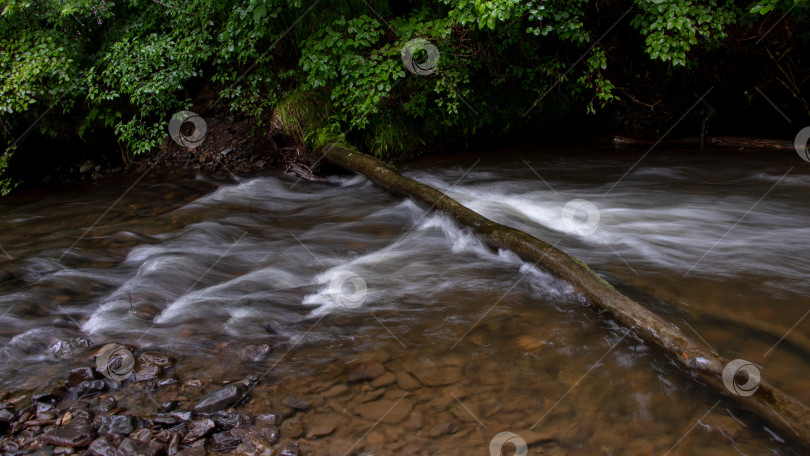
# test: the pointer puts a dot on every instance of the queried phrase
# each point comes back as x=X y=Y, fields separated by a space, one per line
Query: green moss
x=300 y=113
x=391 y=138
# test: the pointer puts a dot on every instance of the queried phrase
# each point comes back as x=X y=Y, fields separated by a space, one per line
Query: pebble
x=288 y=449
x=222 y=398
x=406 y=381
x=254 y=353
x=170 y=405
x=146 y=372
x=383 y=380
x=256 y=440
x=268 y=419
x=322 y=425
x=366 y=371
x=90 y=387
x=67 y=348
x=385 y=410
x=79 y=375
x=193 y=451
x=182 y=416
x=144 y=435
x=198 y=429
x=132 y=447
x=75 y=434
x=106 y=403
x=155 y=359
x=226 y=421
x=295 y=403
x=292 y=428
x=6 y=416
x=104 y=446
x=336 y=390
x=118 y=424
x=224 y=441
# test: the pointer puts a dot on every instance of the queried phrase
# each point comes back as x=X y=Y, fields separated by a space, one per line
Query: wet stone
x=226 y=421
x=104 y=446
x=164 y=421
x=144 y=435
x=174 y=442
x=106 y=403
x=50 y=394
x=89 y=388
x=118 y=424
x=132 y=447
x=166 y=382
x=47 y=450
x=221 y=398
x=254 y=353
x=292 y=428
x=67 y=348
x=82 y=414
x=79 y=375
x=6 y=416
x=146 y=372
x=224 y=441
x=268 y=419
x=257 y=436
x=170 y=405
x=193 y=451
x=155 y=359
x=198 y=429
x=9 y=447
x=62 y=451
x=76 y=434
x=182 y=416
x=288 y=449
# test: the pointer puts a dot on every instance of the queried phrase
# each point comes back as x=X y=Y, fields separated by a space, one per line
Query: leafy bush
x=75 y=66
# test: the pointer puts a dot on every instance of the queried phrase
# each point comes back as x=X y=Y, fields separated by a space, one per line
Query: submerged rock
x=295 y=403
x=366 y=371
x=254 y=353
x=224 y=397
x=67 y=348
x=79 y=375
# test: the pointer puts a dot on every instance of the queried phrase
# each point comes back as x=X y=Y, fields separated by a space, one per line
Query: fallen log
x=781 y=411
x=722 y=142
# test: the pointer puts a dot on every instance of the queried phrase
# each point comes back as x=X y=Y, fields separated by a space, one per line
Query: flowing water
x=474 y=341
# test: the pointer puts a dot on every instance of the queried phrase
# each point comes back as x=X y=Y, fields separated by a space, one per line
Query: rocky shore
x=84 y=414
x=143 y=402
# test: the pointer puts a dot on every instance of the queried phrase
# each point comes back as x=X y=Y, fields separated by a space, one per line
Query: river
x=337 y=274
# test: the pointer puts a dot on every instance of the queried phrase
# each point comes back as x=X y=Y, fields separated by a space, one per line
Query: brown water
x=474 y=342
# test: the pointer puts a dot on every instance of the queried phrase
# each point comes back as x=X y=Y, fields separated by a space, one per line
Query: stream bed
x=405 y=334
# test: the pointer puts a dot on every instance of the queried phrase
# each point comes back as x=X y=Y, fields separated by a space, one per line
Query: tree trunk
x=725 y=142
x=780 y=410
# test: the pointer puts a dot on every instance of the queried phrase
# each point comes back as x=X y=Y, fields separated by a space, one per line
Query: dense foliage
x=75 y=67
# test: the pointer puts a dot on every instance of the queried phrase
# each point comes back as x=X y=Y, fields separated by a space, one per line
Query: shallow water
x=200 y=268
